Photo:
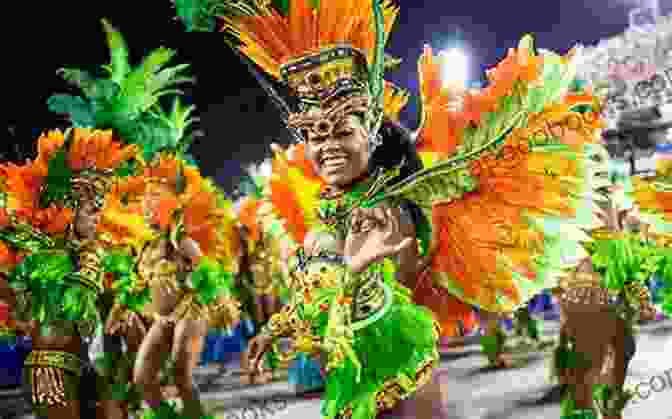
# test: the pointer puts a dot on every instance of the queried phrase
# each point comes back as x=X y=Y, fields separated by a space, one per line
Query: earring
x=375 y=140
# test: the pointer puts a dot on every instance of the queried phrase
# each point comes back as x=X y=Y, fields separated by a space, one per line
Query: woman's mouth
x=333 y=161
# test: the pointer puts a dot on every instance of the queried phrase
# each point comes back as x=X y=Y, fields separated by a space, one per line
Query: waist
x=55 y=359
x=590 y=296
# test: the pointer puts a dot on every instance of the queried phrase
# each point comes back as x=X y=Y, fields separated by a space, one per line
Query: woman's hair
x=397 y=147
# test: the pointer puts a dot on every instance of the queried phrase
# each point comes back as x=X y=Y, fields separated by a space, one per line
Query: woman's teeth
x=334 y=162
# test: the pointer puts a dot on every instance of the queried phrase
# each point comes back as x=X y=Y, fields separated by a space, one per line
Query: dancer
x=55 y=204
x=305 y=372
x=601 y=302
x=261 y=267
x=340 y=200
x=160 y=235
x=260 y=271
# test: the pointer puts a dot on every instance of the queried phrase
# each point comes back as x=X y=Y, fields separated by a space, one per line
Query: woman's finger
x=380 y=215
x=389 y=251
x=406 y=243
x=355 y=216
x=393 y=220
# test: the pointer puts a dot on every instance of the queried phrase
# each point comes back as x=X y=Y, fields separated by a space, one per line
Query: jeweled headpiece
x=79 y=165
x=329 y=53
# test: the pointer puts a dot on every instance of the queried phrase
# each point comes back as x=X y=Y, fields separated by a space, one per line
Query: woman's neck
x=335 y=191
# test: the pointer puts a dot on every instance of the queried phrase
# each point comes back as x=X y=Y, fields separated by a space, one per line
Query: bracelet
x=276 y=325
x=605 y=234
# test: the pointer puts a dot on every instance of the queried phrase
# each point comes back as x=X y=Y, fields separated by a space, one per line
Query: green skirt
x=397 y=354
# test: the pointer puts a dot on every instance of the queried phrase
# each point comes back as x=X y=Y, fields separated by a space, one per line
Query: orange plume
x=272 y=40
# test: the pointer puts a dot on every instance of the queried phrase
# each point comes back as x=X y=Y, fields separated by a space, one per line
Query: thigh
x=153 y=350
x=189 y=335
x=594 y=330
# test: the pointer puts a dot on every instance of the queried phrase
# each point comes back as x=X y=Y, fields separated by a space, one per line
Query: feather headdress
x=126 y=99
x=326 y=52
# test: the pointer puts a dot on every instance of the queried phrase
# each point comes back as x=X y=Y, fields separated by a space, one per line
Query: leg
x=593 y=328
x=187 y=332
x=150 y=360
x=259 y=314
x=72 y=407
x=431 y=399
x=197 y=344
x=134 y=335
x=615 y=376
x=111 y=408
x=245 y=367
x=493 y=339
x=43 y=383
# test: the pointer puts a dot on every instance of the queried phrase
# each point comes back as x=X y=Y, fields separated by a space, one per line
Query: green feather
x=126 y=99
x=78 y=78
x=119 y=65
x=282 y=6
x=80 y=112
x=196 y=15
x=59 y=179
x=376 y=81
x=179 y=120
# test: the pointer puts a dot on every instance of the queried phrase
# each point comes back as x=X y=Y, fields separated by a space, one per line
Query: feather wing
x=503 y=190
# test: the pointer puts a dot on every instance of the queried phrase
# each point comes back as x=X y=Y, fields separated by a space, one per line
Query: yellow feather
x=428 y=158
x=307 y=194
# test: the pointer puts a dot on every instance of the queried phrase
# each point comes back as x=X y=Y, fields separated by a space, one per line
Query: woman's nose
x=331 y=143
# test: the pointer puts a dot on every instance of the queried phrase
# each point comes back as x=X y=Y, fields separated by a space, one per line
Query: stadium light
x=455 y=67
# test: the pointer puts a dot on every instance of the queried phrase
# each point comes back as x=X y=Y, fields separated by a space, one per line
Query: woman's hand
x=120 y=320
x=24 y=328
x=191 y=249
x=374 y=235
x=647 y=312
x=610 y=217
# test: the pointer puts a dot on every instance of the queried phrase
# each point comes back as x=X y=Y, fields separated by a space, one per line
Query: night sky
x=238 y=121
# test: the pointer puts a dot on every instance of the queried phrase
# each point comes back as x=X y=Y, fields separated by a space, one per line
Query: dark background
x=239 y=122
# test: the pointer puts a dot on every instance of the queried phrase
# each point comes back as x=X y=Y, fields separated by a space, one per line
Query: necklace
x=336 y=205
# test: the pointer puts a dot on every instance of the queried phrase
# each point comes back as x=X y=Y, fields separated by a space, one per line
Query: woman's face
x=342 y=156
x=87 y=218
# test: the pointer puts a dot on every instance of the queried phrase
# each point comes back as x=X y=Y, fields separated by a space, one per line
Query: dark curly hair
x=398 y=146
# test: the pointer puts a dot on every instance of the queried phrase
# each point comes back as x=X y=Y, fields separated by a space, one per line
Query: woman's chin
x=340 y=179
x=336 y=179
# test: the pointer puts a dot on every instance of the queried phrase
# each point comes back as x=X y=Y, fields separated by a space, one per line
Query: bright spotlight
x=455 y=68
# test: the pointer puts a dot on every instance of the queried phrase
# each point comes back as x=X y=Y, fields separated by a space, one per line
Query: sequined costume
x=601 y=303
x=52 y=206
x=162 y=207
x=262 y=273
x=195 y=212
x=72 y=174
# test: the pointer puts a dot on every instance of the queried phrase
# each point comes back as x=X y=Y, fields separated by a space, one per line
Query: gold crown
x=329 y=72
